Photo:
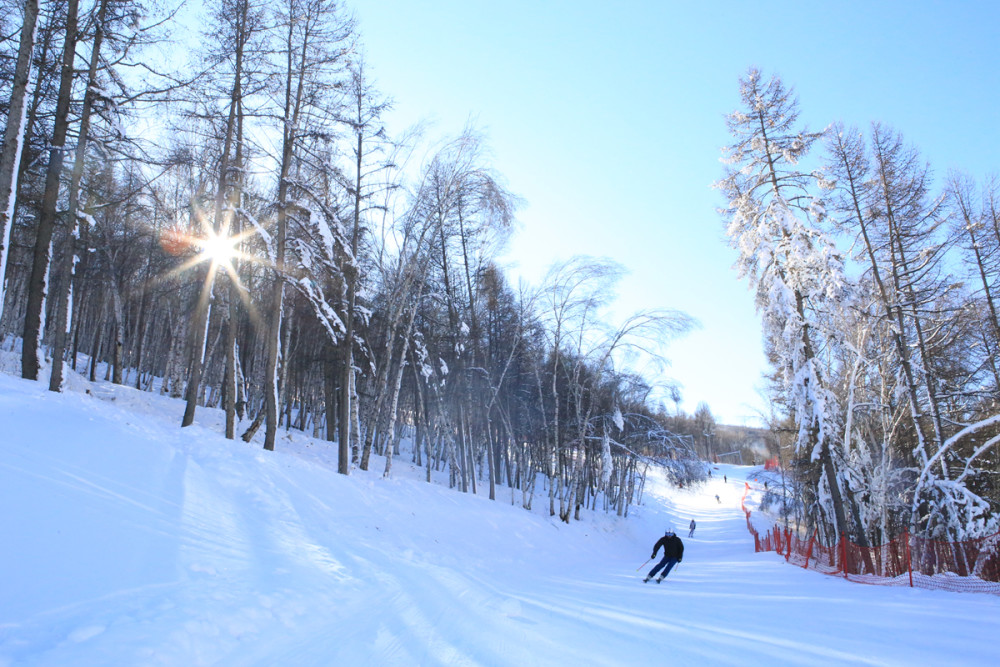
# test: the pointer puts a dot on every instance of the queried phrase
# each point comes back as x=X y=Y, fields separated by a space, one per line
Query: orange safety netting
x=967 y=566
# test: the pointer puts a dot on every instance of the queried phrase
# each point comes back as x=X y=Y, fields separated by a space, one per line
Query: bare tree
x=971 y=223
x=314 y=42
x=362 y=114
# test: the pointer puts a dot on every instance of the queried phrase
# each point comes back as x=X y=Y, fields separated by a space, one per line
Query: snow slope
x=125 y=540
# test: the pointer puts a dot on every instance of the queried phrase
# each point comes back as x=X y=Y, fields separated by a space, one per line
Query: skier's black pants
x=669 y=562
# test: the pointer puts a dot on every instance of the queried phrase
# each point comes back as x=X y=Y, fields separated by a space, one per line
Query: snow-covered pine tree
x=793 y=267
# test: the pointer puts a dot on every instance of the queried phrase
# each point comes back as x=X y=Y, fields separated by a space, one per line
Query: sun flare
x=218 y=253
x=217 y=248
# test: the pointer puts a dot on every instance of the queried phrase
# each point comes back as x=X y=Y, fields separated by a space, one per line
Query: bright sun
x=218 y=249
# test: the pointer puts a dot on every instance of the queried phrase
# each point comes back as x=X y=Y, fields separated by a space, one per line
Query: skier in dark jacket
x=673 y=553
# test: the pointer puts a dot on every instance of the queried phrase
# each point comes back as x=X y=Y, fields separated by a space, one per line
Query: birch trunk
x=347 y=375
x=397 y=384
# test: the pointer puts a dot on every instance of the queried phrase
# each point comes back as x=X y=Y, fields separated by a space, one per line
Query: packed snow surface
x=127 y=540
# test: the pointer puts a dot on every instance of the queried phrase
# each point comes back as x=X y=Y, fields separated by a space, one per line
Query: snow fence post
x=809 y=551
x=843 y=555
x=788 y=544
x=909 y=567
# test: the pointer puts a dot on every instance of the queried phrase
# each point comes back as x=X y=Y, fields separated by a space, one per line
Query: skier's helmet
x=670 y=530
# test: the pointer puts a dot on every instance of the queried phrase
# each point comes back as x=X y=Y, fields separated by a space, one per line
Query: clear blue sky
x=607 y=117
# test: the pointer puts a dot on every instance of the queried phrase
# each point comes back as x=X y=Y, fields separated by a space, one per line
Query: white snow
x=126 y=540
x=619 y=419
x=323 y=226
x=85 y=218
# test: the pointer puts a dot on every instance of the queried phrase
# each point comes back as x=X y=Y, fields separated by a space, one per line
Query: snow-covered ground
x=126 y=540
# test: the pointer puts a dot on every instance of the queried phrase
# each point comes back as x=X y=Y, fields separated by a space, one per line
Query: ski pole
x=642 y=566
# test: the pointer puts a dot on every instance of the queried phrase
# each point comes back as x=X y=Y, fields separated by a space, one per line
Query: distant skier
x=717 y=499
x=691 y=534
x=725 y=479
x=673 y=552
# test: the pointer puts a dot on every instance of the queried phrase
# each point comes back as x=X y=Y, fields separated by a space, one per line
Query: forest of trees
x=239 y=229
x=877 y=286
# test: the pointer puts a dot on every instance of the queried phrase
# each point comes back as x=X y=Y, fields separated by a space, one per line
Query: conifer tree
x=792 y=266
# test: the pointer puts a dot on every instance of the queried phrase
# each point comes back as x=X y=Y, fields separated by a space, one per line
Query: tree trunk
x=230 y=226
x=382 y=379
x=66 y=270
x=201 y=318
x=330 y=396
x=44 y=47
x=397 y=384
x=294 y=89
x=199 y=336
x=233 y=229
x=351 y=277
x=35 y=313
x=119 y=330
x=355 y=434
x=13 y=139
x=491 y=462
x=144 y=307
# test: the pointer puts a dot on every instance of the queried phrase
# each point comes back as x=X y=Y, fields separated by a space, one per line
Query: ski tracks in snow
x=141 y=543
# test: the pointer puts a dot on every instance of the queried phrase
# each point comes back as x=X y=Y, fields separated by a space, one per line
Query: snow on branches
x=795 y=270
x=315 y=251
